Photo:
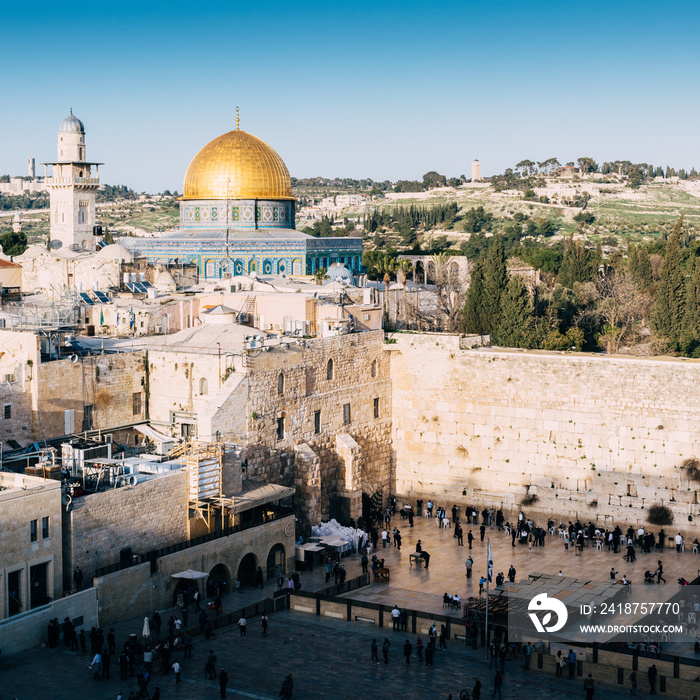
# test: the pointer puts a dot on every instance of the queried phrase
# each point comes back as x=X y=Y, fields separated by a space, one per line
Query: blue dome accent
x=337 y=272
x=71 y=125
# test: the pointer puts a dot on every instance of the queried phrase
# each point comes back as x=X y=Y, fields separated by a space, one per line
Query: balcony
x=67 y=181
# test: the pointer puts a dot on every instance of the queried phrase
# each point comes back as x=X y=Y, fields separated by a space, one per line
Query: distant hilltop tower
x=476 y=171
x=72 y=189
x=17 y=222
x=31 y=166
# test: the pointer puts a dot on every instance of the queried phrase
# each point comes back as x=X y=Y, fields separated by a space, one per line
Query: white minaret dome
x=71 y=125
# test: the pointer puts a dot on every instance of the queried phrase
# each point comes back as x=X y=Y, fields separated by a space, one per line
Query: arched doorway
x=253 y=266
x=276 y=562
x=247 y=569
x=219 y=581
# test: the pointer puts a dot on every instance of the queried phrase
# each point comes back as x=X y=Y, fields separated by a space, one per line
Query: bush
x=692 y=468
x=660 y=515
x=530 y=500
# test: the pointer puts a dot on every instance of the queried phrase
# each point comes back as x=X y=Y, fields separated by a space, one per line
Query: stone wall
x=356 y=358
x=592 y=436
x=19 y=355
x=106 y=382
x=150 y=515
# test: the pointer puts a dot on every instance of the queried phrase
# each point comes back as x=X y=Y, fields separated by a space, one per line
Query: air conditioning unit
x=109 y=438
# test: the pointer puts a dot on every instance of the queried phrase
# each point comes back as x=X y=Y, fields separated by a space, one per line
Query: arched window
x=280 y=384
x=203 y=386
x=374 y=368
x=329 y=370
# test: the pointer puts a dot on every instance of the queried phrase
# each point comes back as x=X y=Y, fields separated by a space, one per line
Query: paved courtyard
x=329 y=658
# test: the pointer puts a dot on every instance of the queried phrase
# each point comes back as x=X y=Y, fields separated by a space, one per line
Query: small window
x=280 y=428
x=317 y=422
x=365 y=317
x=329 y=370
x=32 y=530
x=7 y=412
x=87 y=417
x=203 y=386
x=45 y=528
x=280 y=384
x=376 y=408
x=136 y=399
x=374 y=368
x=346 y=413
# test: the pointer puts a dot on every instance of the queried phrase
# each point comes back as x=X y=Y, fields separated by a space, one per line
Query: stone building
x=31 y=567
x=476 y=171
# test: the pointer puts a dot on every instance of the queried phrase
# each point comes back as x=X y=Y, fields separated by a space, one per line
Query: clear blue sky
x=365 y=89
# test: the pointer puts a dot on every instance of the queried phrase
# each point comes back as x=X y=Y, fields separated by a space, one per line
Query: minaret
x=72 y=189
x=476 y=171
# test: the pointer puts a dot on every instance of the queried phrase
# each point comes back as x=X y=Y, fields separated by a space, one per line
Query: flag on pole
x=102 y=318
x=131 y=318
x=490 y=564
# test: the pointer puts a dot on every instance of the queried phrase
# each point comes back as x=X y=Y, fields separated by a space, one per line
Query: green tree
x=578 y=265
x=669 y=308
x=495 y=282
x=13 y=243
x=515 y=327
x=475 y=312
x=320 y=275
x=690 y=336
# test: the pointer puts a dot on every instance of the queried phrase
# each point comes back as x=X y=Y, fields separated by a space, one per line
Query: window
x=280 y=428
x=45 y=528
x=69 y=421
x=203 y=386
x=374 y=368
x=329 y=370
x=87 y=417
x=346 y=413
x=7 y=412
x=365 y=317
x=136 y=403
x=376 y=408
x=187 y=430
x=280 y=384
x=317 y=422
x=32 y=531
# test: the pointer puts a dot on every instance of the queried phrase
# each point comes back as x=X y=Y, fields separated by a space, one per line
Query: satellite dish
x=55 y=244
x=132 y=480
x=74 y=358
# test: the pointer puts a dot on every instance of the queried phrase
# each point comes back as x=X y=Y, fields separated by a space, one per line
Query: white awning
x=153 y=434
x=256 y=493
x=190 y=574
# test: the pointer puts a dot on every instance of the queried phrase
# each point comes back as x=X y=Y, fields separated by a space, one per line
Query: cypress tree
x=669 y=307
x=495 y=282
x=644 y=277
x=633 y=261
x=516 y=326
x=474 y=308
x=690 y=337
x=578 y=265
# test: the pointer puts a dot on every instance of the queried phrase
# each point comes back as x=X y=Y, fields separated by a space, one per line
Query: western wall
x=594 y=437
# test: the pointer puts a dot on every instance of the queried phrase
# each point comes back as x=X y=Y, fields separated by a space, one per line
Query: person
x=633 y=683
x=443 y=637
x=470 y=539
x=419 y=547
x=430 y=509
x=613 y=573
x=469 y=563
x=419 y=648
x=365 y=563
x=263 y=621
x=407 y=651
x=111 y=641
x=571 y=658
x=660 y=572
x=242 y=624
x=559 y=662
x=78 y=578
x=259 y=579
x=210 y=666
x=426 y=558
x=679 y=542
x=97 y=665
x=651 y=675
x=429 y=656
x=176 y=670
x=625 y=580
x=375 y=651
x=385 y=650
x=385 y=537
x=482 y=581
x=476 y=690
x=497 y=684
x=527 y=653
x=511 y=574
x=223 y=682
x=432 y=635
x=395 y=615
x=482 y=531
x=589 y=686
x=287 y=687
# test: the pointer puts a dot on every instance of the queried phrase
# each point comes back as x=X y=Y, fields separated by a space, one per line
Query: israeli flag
x=490 y=564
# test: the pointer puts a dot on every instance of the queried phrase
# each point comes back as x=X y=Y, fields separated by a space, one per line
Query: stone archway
x=247 y=569
x=219 y=581
x=276 y=562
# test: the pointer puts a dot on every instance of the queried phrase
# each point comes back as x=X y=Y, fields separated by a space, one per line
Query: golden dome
x=237 y=165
